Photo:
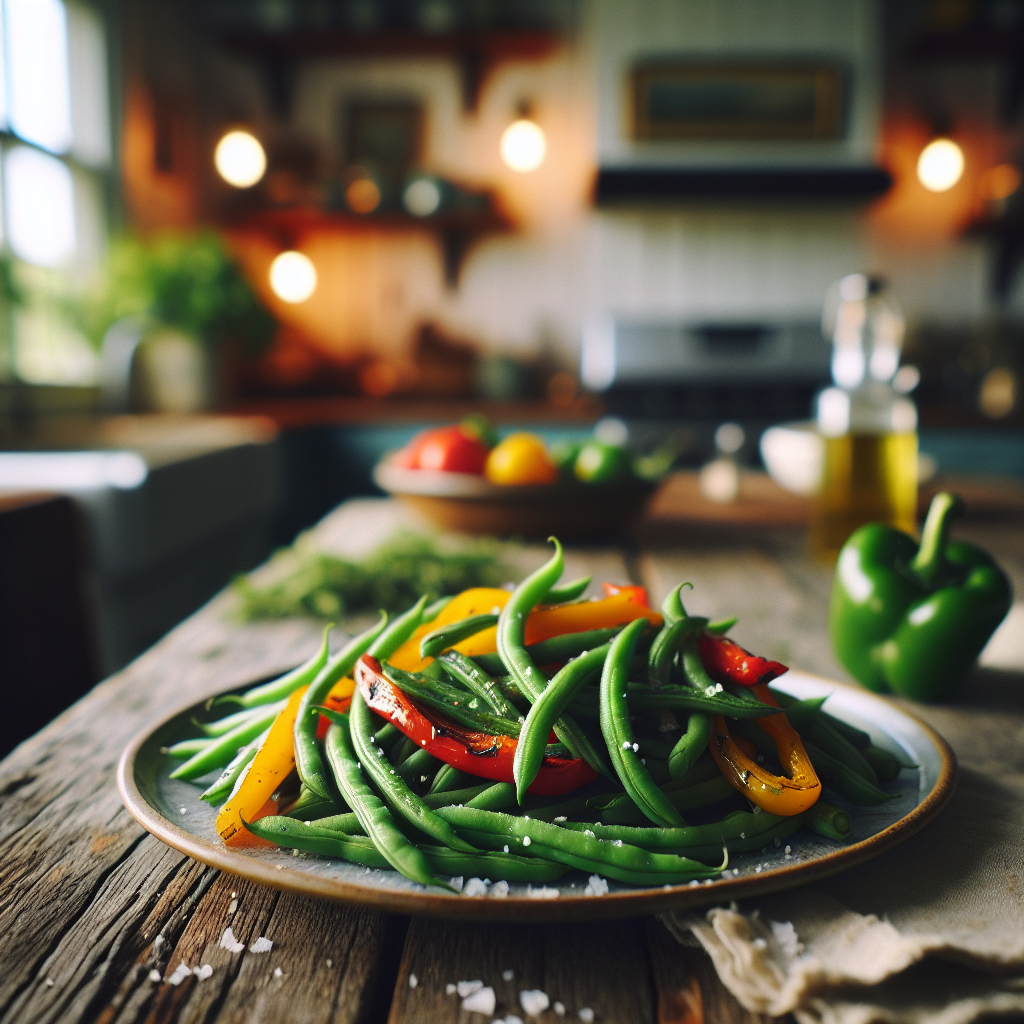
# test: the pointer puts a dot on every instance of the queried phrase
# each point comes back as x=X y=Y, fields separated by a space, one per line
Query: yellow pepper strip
x=541 y=624
x=269 y=768
x=773 y=793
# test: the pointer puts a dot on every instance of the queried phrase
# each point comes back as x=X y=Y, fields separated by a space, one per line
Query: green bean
x=451 y=633
x=227 y=723
x=282 y=687
x=857 y=737
x=465 y=671
x=308 y=761
x=373 y=815
x=690 y=745
x=310 y=806
x=737 y=827
x=886 y=764
x=685 y=698
x=444 y=798
x=184 y=749
x=418 y=767
x=347 y=823
x=621 y=809
x=455 y=703
x=294 y=835
x=829 y=821
x=671 y=638
x=494 y=798
x=695 y=673
x=844 y=780
x=398 y=632
x=721 y=627
x=218 y=792
x=548 y=709
x=703 y=770
x=398 y=796
x=618 y=732
x=449 y=779
x=556 y=650
x=833 y=742
x=672 y=607
x=224 y=748
x=540 y=838
x=566 y=592
x=432 y=611
x=404 y=751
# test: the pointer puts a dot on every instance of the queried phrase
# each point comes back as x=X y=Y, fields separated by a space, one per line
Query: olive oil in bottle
x=869 y=429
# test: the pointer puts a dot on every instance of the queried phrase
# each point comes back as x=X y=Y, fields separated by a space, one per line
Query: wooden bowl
x=470 y=504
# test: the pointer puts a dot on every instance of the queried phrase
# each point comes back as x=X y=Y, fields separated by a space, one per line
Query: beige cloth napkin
x=931 y=931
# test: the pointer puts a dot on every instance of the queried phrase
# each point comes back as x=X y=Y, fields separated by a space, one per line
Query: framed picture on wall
x=684 y=99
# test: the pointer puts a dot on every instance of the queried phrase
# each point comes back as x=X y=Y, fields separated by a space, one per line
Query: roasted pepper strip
x=478 y=753
x=541 y=624
x=727 y=662
x=773 y=793
x=272 y=763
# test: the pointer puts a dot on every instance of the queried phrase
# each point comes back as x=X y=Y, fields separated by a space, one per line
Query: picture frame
x=690 y=100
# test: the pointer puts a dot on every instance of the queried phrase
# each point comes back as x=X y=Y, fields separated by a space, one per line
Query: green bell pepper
x=911 y=619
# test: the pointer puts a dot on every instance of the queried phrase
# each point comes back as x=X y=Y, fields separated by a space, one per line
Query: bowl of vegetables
x=463 y=477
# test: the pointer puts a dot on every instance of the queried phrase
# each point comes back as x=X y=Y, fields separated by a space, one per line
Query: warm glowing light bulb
x=293 y=277
x=239 y=159
x=523 y=146
x=940 y=165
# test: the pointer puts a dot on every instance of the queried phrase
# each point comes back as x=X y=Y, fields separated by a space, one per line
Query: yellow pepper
x=773 y=793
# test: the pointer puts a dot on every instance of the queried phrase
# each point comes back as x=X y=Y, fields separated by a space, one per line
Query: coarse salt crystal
x=543 y=893
x=505 y=848
x=534 y=1001
x=587 y=1015
x=261 y=945
x=158 y=941
x=558 y=1007
x=181 y=972
x=587 y=832
x=329 y=962
x=527 y=840
x=413 y=981
x=481 y=1001
x=508 y=974
x=467 y=988
x=789 y=849
x=450 y=988
x=560 y=817
x=278 y=973
x=475 y=887
x=596 y=886
x=759 y=944
x=232 y=907
x=456 y=883
x=499 y=889
x=155 y=975
x=204 y=972
x=230 y=943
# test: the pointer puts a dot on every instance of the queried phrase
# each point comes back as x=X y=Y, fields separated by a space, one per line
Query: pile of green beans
x=633 y=701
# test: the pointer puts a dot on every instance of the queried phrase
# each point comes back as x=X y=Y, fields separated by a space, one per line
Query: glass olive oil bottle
x=869 y=428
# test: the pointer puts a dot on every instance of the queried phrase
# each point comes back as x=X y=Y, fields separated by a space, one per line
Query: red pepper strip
x=727 y=662
x=477 y=753
x=638 y=595
x=773 y=793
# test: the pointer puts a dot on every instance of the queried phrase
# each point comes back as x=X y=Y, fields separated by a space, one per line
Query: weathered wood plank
x=600 y=968
x=688 y=989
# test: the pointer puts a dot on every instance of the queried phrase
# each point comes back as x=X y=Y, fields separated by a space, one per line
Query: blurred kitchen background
x=248 y=246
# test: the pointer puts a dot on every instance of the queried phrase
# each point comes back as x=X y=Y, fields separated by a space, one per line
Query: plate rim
x=628 y=903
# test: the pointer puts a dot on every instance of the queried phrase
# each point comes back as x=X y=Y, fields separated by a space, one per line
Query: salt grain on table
x=155 y=976
x=508 y=975
x=413 y=981
x=204 y=972
x=261 y=945
x=587 y=1015
x=481 y=1001
x=475 y=887
x=500 y=889
x=559 y=1008
x=467 y=988
x=181 y=972
x=534 y=1001
x=230 y=943
x=449 y=989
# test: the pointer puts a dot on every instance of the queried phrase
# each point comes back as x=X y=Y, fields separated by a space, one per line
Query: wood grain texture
x=600 y=967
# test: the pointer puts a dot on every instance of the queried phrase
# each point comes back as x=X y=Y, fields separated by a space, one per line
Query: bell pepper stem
x=930 y=559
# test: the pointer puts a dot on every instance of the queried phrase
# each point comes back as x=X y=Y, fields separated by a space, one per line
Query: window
x=55 y=155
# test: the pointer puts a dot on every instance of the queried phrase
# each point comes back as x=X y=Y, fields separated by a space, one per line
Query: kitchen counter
x=95 y=913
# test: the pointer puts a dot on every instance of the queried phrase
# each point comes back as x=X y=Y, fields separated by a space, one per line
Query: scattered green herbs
x=392 y=578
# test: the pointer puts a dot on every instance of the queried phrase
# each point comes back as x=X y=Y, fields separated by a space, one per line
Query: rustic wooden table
x=95 y=913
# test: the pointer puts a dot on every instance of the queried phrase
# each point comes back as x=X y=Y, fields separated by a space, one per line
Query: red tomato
x=449 y=449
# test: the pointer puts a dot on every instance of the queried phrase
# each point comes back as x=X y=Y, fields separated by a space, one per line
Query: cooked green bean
x=829 y=821
x=721 y=627
x=373 y=814
x=669 y=641
x=621 y=809
x=821 y=733
x=294 y=835
x=684 y=698
x=227 y=723
x=219 y=791
x=442 y=798
x=282 y=687
x=398 y=796
x=566 y=592
x=308 y=762
x=311 y=806
x=418 y=767
x=690 y=745
x=845 y=781
x=184 y=749
x=432 y=611
x=887 y=765
x=222 y=749
x=556 y=650
x=618 y=731
x=465 y=671
x=624 y=863
x=546 y=710
x=449 y=779
x=672 y=607
x=451 y=633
